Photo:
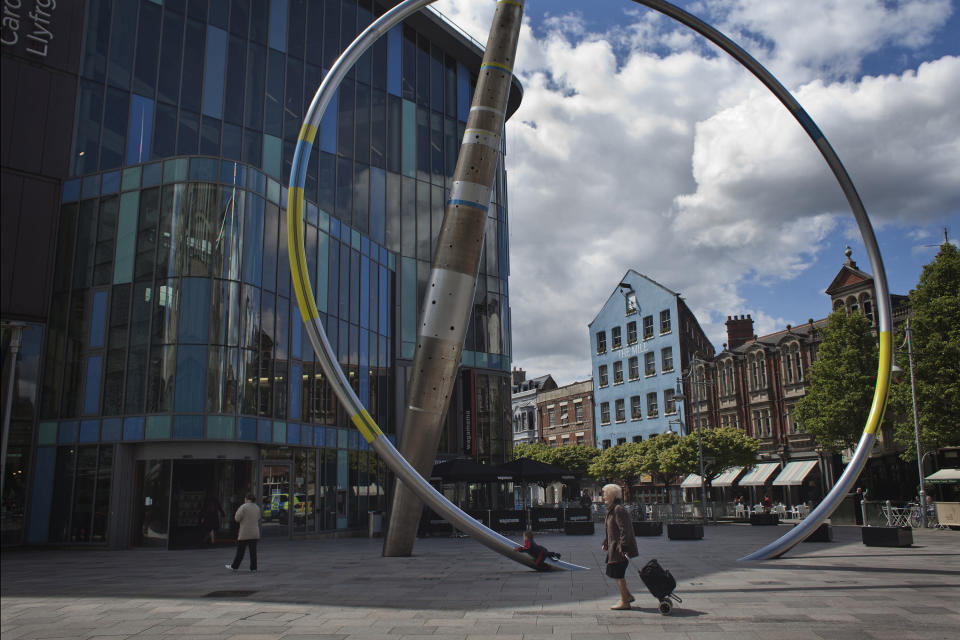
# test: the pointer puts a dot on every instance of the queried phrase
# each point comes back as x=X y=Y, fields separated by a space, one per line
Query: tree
x=623 y=462
x=533 y=451
x=723 y=448
x=575 y=457
x=935 y=327
x=842 y=381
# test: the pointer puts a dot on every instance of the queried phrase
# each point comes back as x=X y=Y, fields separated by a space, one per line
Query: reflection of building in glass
x=144 y=195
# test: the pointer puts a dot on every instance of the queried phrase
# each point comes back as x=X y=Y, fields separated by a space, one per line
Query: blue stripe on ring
x=467 y=203
x=303 y=153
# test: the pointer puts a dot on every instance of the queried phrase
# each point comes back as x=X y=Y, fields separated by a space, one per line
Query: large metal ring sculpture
x=382 y=445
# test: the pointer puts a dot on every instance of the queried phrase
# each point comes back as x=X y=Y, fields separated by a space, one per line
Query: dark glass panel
x=378 y=60
x=258 y=21
x=140 y=312
x=168 y=80
x=86 y=239
x=424 y=245
x=219 y=10
x=450 y=147
x=116 y=351
x=331 y=32
x=148 y=47
x=436 y=213
x=86 y=480
x=77 y=333
x=297 y=22
x=86 y=145
x=354 y=291
x=333 y=278
x=188 y=133
x=106 y=239
x=256 y=87
x=229 y=242
x=423 y=71
x=121 y=45
x=436 y=149
x=394 y=134
x=253 y=240
x=343 y=304
x=409 y=64
x=165 y=131
x=314 y=41
x=112 y=144
x=266 y=362
x=239 y=17
x=344 y=189
x=191 y=378
x=197 y=10
x=270 y=240
x=378 y=129
x=377 y=198
x=214 y=68
x=248 y=380
x=251 y=146
x=362 y=124
x=450 y=87
x=423 y=144
x=210 y=138
x=97 y=41
x=283 y=258
x=436 y=79
x=191 y=79
x=160 y=381
x=408 y=209
x=147 y=221
x=233 y=100
x=101 y=507
x=345 y=116
x=392 y=213
x=293 y=115
x=167 y=225
x=273 y=106
x=60 y=507
x=361 y=198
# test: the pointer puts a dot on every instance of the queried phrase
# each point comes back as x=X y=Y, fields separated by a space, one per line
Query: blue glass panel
x=214 y=65
x=293 y=433
x=112 y=430
x=133 y=428
x=89 y=431
x=256 y=181
x=320 y=279
x=306 y=435
x=203 y=169
x=138 y=134
x=378 y=198
x=279 y=432
x=354 y=440
x=384 y=301
x=247 y=429
x=296 y=337
x=253 y=240
x=210 y=139
x=312 y=214
x=111 y=183
x=91 y=396
x=318 y=436
x=296 y=384
x=188 y=427
x=408 y=299
x=41 y=493
x=191 y=378
x=328 y=126
x=233 y=173
x=394 y=67
x=272 y=156
x=71 y=191
x=277 y=36
x=364 y=245
x=264 y=430
x=91 y=186
x=364 y=363
x=194 y=311
x=67 y=432
x=125 y=251
x=98 y=319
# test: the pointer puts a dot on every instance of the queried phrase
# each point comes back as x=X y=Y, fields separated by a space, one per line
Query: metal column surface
x=830 y=502
x=448 y=299
x=303 y=289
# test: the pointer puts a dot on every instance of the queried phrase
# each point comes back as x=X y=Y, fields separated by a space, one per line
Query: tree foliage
x=534 y=451
x=575 y=457
x=622 y=463
x=723 y=448
x=842 y=380
x=935 y=328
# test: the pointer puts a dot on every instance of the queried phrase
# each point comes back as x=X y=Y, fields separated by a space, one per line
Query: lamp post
x=678 y=394
x=897 y=372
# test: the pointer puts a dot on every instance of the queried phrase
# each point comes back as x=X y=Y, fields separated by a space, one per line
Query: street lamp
x=896 y=372
x=678 y=394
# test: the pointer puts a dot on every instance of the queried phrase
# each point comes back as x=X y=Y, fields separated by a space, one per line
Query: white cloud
x=682 y=167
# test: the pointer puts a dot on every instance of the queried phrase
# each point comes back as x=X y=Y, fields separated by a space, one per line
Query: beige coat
x=248 y=516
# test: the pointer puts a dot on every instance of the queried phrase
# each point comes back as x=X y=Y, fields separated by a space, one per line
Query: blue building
x=155 y=354
x=642 y=340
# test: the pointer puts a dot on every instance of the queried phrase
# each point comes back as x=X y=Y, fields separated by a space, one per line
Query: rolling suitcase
x=661 y=584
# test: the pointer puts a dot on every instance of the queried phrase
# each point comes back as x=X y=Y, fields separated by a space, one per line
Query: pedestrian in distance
x=248 y=517
x=585 y=501
x=619 y=543
x=210 y=519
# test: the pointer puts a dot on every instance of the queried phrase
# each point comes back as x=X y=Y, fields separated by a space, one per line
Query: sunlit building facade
x=161 y=361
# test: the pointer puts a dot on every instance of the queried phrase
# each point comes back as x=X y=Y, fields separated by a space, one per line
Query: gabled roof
x=772 y=340
x=848 y=277
x=616 y=291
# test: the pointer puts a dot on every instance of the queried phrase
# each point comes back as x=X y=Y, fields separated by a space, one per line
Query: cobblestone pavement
x=455 y=589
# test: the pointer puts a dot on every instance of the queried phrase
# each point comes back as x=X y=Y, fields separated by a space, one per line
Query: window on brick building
x=578 y=411
x=564 y=416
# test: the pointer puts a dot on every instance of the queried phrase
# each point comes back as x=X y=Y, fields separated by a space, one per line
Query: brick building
x=566 y=415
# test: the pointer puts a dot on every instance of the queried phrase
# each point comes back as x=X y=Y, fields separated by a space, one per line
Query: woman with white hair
x=619 y=543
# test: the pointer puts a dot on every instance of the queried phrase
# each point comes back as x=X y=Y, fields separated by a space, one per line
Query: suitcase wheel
x=666 y=606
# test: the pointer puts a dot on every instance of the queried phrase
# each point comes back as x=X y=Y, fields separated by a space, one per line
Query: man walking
x=248 y=517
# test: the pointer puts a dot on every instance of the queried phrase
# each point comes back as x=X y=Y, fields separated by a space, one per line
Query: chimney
x=519 y=375
x=739 y=330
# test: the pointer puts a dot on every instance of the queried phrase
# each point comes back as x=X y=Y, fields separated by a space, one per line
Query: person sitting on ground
x=537 y=552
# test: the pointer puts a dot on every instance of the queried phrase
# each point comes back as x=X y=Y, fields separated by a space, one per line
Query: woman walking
x=619 y=543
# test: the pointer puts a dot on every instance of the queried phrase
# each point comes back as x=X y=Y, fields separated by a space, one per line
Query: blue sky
x=639 y=146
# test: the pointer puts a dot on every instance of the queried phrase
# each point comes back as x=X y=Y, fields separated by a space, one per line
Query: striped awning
x=728 y=477
x=759 y=475
x=794 y=473
x=691 y=481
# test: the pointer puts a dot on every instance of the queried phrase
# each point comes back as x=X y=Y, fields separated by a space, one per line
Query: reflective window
x=191 y=378
x=277 y=35
x=139 y=131
x=191 y=77
x=148 y=47
x=168 y=78
x=121 y=45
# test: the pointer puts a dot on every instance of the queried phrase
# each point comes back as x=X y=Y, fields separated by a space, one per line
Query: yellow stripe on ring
x=497 y=65
x=366 y=426
x=877 y=409
x=299 y=275
x=308 y=132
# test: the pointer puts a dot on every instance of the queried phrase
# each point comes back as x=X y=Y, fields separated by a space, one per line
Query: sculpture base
x=647 y=528
x=886 y=536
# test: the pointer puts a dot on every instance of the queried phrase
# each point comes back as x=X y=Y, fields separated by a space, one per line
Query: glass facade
x=171 y=318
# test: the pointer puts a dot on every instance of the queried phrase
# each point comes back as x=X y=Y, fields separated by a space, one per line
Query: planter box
x=685 y=531
x=823 y=533
x=886 y=536
x=648 y=528
x=578 y=528
x=764 y=519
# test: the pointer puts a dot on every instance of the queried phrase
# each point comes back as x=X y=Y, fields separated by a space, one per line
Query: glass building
x=153 y=352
